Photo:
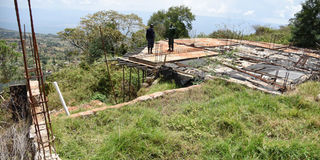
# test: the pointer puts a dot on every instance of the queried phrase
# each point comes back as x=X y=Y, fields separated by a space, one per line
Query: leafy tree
x=117 y=29
x=181 y=17
x=138 y=39
x=9 y=62
x=70 y=55
x=306 y=25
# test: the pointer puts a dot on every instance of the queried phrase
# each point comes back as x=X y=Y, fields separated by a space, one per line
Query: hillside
x=220 y=120
x=54 y=52
x=155 y=88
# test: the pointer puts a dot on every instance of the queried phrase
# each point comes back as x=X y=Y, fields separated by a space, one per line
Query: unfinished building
x=268 y=67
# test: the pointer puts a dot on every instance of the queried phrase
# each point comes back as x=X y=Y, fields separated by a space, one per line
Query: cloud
x=264 y=9
x=291 y=8
x=248 y=13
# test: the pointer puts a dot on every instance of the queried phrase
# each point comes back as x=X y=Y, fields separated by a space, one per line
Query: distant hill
x=5 y=33
x=11 y=34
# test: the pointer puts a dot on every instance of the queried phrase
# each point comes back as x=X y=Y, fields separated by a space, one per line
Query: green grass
x=81 y=84
x=278 y=36
x=262 y=33
x=220 y=120
x=160 y=86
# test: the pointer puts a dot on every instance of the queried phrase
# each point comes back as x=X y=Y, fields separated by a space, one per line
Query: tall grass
x=262 y=33
x=220 y=120
x=15 y=143
x=80 y=84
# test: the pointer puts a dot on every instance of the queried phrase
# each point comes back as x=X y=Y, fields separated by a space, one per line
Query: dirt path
x=139 y=99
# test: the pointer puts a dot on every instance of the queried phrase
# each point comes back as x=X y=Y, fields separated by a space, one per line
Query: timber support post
x=130 y=70
x=143 y=75
x=123 y=87
x=138 y=78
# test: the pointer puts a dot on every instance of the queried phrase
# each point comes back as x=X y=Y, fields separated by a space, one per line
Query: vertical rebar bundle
x=38 y=102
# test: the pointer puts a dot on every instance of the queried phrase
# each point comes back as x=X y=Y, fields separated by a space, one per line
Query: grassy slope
x=219 y=121
x=160 y=86
x=82 y=84
x=278 y=36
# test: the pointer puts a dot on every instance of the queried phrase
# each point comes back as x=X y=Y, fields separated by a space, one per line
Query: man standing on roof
x=171 y=34
x=150 y=37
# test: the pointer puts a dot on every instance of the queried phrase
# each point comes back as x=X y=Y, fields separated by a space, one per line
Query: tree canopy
x=306 y=25
x=117 y=28
x=9 y=62
x=180 y=16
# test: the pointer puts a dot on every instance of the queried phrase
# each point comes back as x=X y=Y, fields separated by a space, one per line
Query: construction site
x=268 y=67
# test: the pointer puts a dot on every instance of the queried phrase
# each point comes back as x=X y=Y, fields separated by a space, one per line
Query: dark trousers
x=171 y=41
x=150 y=45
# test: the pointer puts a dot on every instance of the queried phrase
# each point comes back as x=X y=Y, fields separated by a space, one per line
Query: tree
x=138 y=39
x=181 y=17
x=306 y=25
x=9 y=62
x=117 y=32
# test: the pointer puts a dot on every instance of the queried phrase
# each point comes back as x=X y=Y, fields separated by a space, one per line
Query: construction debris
x=269 y=67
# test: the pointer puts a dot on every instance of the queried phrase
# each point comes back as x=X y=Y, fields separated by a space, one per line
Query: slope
x=220 y=120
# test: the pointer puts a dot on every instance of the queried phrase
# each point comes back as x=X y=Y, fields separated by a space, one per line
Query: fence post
x=61 y=98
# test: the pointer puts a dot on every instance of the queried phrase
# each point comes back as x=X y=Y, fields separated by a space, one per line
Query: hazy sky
x=68 y=12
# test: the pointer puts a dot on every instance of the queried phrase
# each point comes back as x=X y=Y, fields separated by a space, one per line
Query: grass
x=81 y=84
x=262 y=33
x=220 y=120
x=266 y=34
x=160 y=86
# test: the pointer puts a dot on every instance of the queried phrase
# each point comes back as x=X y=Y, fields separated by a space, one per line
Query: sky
x=51 y=16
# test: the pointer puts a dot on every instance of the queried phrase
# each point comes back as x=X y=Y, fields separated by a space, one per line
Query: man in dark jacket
x=150 y=37
x=171 y=35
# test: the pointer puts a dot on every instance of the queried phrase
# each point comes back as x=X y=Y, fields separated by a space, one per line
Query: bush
x=83 y=83
x=100 y=97
x=259 y=30
x=266 y=34
x=224 y=34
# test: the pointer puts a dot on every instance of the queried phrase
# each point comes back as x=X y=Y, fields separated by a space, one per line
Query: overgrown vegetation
x=14 y=135
x=161 y=86
x=227 y=34
x=15 y=143
x=305 y=25
x=221 y=120
x=9 y=62
x=262 y=33
x=80 y=84
x=266 y=34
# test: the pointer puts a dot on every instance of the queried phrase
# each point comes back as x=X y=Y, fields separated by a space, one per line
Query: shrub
x=224 y=34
